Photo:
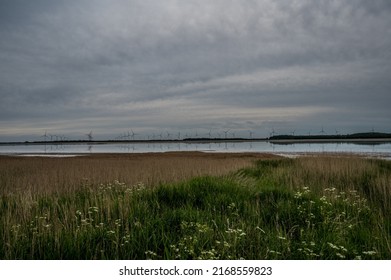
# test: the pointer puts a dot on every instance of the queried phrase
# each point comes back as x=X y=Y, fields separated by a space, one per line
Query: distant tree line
x=363 y=135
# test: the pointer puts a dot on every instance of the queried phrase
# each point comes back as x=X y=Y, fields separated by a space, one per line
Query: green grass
x=323 y=208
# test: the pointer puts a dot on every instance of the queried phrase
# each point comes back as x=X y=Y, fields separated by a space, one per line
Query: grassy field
x=195 y=206
x=46 y=175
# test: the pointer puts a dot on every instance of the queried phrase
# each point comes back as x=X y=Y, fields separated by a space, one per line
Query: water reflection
x=383 y=149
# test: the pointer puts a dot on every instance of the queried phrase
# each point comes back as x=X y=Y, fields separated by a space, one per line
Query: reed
x=306 y=208
x=43 y=174
x=370 y=177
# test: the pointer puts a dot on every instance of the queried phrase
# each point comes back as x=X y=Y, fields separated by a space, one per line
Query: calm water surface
x=370 y=149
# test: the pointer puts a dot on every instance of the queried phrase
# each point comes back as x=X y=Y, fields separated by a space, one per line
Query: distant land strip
x=284 y=138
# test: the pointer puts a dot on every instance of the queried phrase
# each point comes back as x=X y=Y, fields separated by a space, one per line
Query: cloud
x=147 y=61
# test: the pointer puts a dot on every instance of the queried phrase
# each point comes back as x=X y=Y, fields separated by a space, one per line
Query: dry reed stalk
x=38 y=174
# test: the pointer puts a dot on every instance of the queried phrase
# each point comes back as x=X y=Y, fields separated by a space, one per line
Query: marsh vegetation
x=244 y=207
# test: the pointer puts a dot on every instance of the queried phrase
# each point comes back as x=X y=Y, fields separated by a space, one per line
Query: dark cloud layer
x=73 y=66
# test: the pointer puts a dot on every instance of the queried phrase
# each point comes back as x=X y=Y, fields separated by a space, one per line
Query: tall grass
x=21 y=174
x=307 y=208
x=371 y=178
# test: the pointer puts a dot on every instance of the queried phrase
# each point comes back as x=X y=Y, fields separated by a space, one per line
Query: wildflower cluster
x=351 y=198
x=189 y=246
x=198 y=242
x=337 y=212
x=150 y=255
x=308 y=249
x=339 y=250
x=118 y=186
x=89 y=219
x=40 y=224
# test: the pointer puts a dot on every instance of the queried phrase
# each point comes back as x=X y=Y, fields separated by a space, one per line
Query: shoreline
x=200 y=154
x=189 y=141
x=183 y=154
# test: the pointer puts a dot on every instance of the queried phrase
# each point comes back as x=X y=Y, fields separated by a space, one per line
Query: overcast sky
x=70 y=67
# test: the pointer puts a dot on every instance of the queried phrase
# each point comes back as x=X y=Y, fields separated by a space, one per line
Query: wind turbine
x=226 y=132
x=89 y=135
x=132 y=134
x=322 y=131
x=293 y=132
x=272 y=132
x=45 y=136
x=251 y=134
x=124 y=136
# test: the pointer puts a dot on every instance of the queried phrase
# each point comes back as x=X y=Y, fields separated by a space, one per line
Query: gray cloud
x=112 y=65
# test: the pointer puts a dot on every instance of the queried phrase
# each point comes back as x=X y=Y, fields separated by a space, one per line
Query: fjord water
x=369 y=149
